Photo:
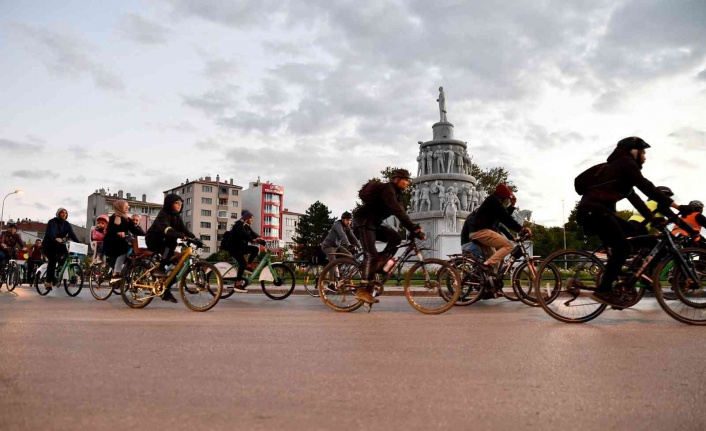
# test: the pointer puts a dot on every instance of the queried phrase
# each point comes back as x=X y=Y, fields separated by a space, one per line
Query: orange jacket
x=692 y=221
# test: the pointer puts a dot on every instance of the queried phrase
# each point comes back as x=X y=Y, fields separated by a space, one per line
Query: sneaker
x=240 y=287
x=331 y=287
x=608 y=298
x=169 y=297
x=487 y=269
x=48 y=285
x=115 y=279
x=361 y=293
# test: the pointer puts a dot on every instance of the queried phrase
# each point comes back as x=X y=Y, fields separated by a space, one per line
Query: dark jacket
x=340 y=235
x=167 y=225
x=114 y=245
x=386 y=202
x=57 y=228
x=242 y=236
x=617 y=180
x=492 y=212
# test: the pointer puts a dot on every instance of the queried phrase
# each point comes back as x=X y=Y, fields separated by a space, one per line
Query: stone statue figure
x=521 y=216
x=442 y=194
x=442 y=105
x=439 y=156
x=450 y=216
x=413 y=201
x=451 y=154
x=467 y=160
x=424 y=197
x=474 y=199
x=464 y=197
x=482 y=194
x=430 y=155
x=459 y=161
x=420 y=164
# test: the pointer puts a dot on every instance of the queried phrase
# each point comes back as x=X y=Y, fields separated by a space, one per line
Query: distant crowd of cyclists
x=601 y=188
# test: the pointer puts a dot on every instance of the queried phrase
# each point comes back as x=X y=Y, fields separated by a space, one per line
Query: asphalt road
x=253 y=363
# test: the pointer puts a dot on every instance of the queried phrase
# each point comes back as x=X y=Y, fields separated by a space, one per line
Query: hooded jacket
x=386 y=202
x=617 y=180
x=168 y=224
x=58 y=228
x=492 y=212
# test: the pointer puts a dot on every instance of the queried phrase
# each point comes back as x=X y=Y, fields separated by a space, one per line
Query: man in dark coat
x=53 y=245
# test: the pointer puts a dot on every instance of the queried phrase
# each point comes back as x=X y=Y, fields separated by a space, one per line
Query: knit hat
x=60 y=210
x=246 y=215
x=346 y=214
x=503 y=192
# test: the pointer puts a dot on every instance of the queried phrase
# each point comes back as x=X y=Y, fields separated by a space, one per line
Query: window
x=223 y=190
x=272 y=220
x=206 y=213
x=272 y=209
x=206 y=189
x=207 y=201
x=188 y=189
x=188 y=225
x=234 y=192
x=187 y=213
x=222 y=225
x=206 y=225
x=236 y=204
x=290 y=222
x=188 y=201
x=273 y=232
x=269 y=197
x=223 y=202
x=207 y=249
x=222 y=214
x=233 y=215
x=205 y=237
x=145 y=210
x=183 y=190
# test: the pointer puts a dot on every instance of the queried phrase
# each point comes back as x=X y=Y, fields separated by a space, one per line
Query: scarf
x=118 y=212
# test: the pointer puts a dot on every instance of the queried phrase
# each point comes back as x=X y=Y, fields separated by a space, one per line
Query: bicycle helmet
x=666 y=190
x=633 y=143
x=697 y=205
x=10 y=225
x=103 y=217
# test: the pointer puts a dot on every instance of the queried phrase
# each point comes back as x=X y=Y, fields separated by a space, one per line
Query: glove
x=261 y=242
x=659 y=221
x=198 y=242
x=685 y=209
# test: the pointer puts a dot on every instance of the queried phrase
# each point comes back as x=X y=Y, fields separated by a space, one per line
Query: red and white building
x=265 y=201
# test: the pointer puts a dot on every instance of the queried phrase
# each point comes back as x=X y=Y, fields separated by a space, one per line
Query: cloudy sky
x=319 y=95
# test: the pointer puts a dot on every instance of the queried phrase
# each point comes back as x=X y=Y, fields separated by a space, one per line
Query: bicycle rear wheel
x=567 y=298
x=201 y=287
x=135 y=287
x=471 y=284
x=671 y=280
x=424 y=283
x=13 y=276
x=283 y=284
x=339 y=293
x=98 y=285
x=311 y=280
x=74 y=283
x=523 y=280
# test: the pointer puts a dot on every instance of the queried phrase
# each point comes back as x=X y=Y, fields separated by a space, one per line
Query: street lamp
x=2 y=212
x=563 y=222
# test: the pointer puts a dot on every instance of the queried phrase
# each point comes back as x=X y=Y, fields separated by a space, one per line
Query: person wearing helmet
x=98 y=234
x=34 y=260
x=340 y=238
x=641 y=224
x=486 y=222
x=380 y=201
x=53 y=245
x=10 y=241
x=695 y=220
x=596 y=211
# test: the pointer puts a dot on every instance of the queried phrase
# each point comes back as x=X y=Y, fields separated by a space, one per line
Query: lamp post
x=563 y=222
x=2 y=212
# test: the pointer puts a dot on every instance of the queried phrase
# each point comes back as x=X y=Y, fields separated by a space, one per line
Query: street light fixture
x=563 y=222
x=2 y=212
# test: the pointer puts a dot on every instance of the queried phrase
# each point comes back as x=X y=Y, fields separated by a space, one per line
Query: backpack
x=369 y=190
x=590 y=178
x=226 y=240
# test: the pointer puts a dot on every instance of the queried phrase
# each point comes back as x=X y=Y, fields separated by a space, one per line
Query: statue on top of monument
x=442 y=105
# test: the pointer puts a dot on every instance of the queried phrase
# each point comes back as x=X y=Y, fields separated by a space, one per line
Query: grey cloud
x=220 y=69
x=35 y=175
x=70 y=57
x=78 y=179
x=702 y=75
x=214 y=102
x=80 y=153
x=16 y=146
x=142 y=30
x=41 y=206
x=682 y=163
x=690 y=138
x=242 y=14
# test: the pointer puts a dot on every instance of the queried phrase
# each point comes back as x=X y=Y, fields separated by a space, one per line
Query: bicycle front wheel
x=74 y=283
x=339 y=293
x=39 y=281
x=13 y=277
x=282 y=284
x=679 y=294
x=100 y=287
x=201 y=287
x=311 y=280
x=136 y=285
x=523 y=280
x=471 y=285
x=432 y=286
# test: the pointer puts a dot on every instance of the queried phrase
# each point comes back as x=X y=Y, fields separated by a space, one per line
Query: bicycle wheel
x=228 y=278
x=98 y=285
x=339 y=294
x=311 y=280
x=471 y=285
x=567 y=298
x=671 y=279
x=136 y=285
x=283 y=284
x=424 y=283
x=201 y=287
x=13 y=276
x=74 y=283
x=523 y=280
x=39 y=280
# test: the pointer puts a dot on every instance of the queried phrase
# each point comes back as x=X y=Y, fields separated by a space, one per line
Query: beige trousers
x=494 y=243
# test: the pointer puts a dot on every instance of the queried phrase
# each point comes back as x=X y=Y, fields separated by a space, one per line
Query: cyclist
x=10 y=240
x=36 y=257
x=468 y=246
x=53 y=245
x=596 y=211
x=162 y=236
x=240 y=247
x=380 y=201
x=115 y=244
x=485 y=225
x=695 y=220
x=340 y=238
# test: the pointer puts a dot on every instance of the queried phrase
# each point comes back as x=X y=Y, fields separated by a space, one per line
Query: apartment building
x=290 y=220
x=210 y=208
x=265 y=201
x=101 y=202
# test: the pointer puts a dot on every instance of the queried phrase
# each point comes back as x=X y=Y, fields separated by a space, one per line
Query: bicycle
x=10 y=274
x=477 y=284
x=678 y=271
x=312 y=271
x=101 y=272
x=200 y=282
x=431 y=286
x=277 y=282
x=69 y=270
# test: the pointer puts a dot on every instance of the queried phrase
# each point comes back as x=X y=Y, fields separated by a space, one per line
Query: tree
x=311 y=231
x=488 y=179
